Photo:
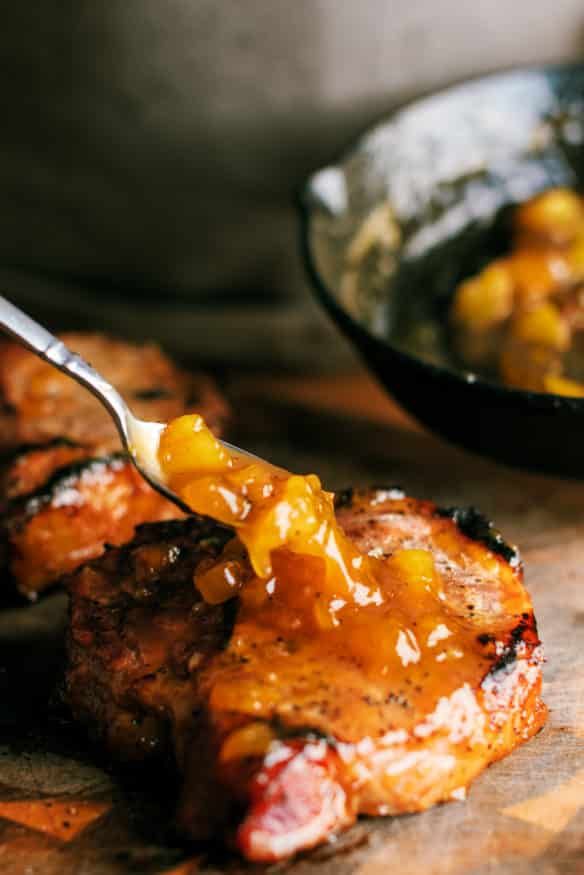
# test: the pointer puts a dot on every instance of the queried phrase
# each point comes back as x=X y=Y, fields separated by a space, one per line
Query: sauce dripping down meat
x=297 y=573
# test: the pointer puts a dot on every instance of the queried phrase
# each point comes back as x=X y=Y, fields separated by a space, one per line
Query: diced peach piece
x=543 y=326
x=252 y=740
x=537 y=274
x=291 y=520
x=416 y=569
x=187 y=445
x=255 y=479
x=220 y=582
x=485 y=300
x=556 y=214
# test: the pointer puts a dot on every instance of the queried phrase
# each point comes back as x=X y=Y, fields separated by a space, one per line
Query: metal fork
x=139 y=437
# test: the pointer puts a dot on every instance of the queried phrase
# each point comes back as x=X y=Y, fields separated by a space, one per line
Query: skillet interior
x=449 y=167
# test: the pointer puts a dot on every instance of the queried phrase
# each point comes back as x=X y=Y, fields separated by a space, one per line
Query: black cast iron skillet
x=446 y=169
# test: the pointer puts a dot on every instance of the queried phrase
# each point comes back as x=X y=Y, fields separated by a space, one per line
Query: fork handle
x=48 y=347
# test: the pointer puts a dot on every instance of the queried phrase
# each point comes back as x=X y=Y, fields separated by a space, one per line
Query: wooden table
x=62 y=810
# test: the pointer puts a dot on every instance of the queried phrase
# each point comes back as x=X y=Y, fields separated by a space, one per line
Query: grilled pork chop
x=65 y=489
x=70 y=516
x=42 y=404
x=291 y=735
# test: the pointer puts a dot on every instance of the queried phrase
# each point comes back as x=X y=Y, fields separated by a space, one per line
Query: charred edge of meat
x=301 y=733
x=21 y=450
x=345 y=497
x=25 y=506
x=207 y=532
x=523 y=636
x=474 y=525
x=469 y=520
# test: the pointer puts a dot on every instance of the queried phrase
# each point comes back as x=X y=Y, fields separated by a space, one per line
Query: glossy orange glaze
x=308 y=590
x=285 y=522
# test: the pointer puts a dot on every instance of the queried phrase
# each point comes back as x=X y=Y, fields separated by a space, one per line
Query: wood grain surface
x=63 y=810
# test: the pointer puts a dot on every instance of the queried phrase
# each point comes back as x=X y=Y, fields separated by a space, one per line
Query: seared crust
x=139 y=631
x=342 y=743
x=41 y=404
x=69 y=518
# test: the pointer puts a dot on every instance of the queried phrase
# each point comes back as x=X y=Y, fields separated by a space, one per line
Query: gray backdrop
x=154 y=146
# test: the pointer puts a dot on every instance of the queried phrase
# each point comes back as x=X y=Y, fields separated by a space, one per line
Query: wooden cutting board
x=63 y=810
